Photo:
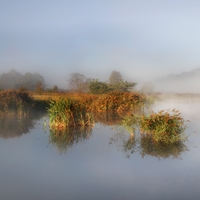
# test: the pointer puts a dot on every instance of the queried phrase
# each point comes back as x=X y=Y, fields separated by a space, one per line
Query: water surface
x=102 y=163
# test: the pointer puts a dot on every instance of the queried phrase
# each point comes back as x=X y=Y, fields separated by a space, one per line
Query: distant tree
x=15 y=80
x=147 y=88
x=55 y=88
x=115 y=78
x=126 y=86
x=86 y=85
x=23 y=88
x=98 y=87
x=11 y=80
x=76 y=82
x=39 y=88
x=31 y=80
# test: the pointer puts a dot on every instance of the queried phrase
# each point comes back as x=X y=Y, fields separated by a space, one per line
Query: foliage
x=98 y=87
x=163 y=126
x=123 y=86
x=76 y=82
x=66 y=112
x=118 y=102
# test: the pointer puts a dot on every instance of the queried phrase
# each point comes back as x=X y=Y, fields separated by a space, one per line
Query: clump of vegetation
x=118 y=102
x=163 y=126
x=14 y=102
x=65 y=113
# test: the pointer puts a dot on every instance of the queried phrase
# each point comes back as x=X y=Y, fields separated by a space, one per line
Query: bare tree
x=76 y=82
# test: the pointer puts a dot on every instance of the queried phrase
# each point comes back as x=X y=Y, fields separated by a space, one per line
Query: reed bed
x=164 y=126
x=65 y=113
x=83 y=108
x=118 y=102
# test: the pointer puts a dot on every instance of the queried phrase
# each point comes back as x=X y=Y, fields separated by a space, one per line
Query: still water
x=102 y=164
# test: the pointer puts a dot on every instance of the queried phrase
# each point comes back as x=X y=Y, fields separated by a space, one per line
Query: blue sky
x=140 y=39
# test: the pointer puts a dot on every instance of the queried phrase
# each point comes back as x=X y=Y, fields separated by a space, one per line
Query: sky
x=140 y=39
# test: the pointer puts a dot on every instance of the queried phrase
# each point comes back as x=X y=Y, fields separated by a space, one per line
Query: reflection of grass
x=15 y=126
x=14 y=102
x=145 y=146
x=66 y=139
x=160 y=149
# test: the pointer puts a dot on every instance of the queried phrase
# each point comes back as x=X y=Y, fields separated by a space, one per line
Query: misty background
x=145 y=41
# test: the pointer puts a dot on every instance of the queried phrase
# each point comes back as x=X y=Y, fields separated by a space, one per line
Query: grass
x=165 y=127
x=83 y=110
x=67 y=113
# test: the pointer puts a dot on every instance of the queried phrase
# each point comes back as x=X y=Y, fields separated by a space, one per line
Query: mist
x=144 y=41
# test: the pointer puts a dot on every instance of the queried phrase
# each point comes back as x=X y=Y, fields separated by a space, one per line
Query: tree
x=76 y=82
x=98 y=87
x=31 y=80
x=39 y=88
x=55 y=88
x=115 y=78
x=86 y=85
x=125 y=86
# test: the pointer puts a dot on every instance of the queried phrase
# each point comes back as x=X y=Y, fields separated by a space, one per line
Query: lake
x=102 y=163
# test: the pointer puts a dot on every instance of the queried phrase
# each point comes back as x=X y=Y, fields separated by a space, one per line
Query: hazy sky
x=139 y=38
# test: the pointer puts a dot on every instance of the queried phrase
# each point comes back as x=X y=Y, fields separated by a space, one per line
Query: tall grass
x=66 y=112
x=118 y=102
x=164 y=126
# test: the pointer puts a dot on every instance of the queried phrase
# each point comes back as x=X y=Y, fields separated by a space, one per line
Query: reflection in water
x=126 y=141
x=161 y=150
x=15 y=126
x=108 y=118
x=65 y=139
x=145 y=146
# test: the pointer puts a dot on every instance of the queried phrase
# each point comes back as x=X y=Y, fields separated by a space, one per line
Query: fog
x=144 y=41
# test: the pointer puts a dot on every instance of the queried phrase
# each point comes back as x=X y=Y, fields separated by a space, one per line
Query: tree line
x=79 y=83
x=15 y=80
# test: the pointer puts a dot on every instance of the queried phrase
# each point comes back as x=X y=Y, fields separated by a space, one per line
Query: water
x=98 y=165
